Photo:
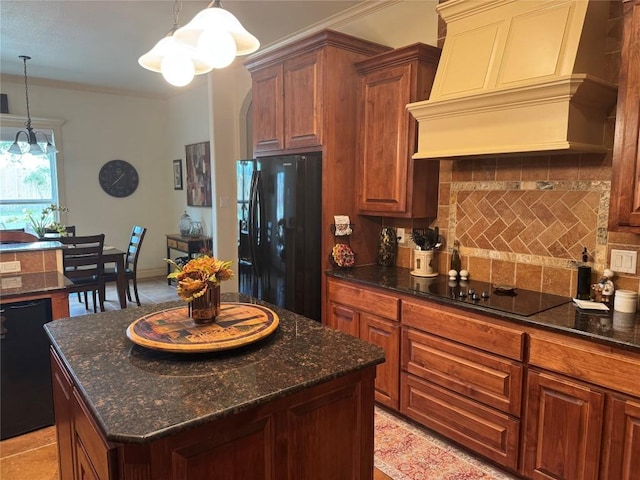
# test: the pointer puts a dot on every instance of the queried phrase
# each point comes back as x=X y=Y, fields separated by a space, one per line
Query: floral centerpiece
x=199 y=285
x=46 y=222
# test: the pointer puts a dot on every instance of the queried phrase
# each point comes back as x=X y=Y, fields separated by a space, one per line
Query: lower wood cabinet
x=323 y=432
x=543 y=404
x=564 y=421
x=373 y=316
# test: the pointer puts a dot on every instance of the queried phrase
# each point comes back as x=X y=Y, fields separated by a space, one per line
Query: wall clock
x=118 y=178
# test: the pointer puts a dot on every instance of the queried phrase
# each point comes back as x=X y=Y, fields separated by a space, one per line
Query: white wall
x=99 y=127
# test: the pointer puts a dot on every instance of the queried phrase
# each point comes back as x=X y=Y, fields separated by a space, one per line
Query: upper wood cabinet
x=292 y=87
x=624 y=214
x=390 y=182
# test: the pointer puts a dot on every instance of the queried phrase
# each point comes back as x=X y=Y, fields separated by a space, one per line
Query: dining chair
x=16 y=236
x=130 y=263
x=82 y=262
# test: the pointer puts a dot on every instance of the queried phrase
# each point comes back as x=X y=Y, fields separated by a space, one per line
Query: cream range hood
x=518 y=77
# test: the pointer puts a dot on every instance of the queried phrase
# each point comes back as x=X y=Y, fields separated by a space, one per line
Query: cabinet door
x=384 y=153
x=343 y=318
x=625 y=181
x=621 y=454
x=268 y=120
x=385 y=334
x=563 y=428
x=303 y=105
x=62 y=391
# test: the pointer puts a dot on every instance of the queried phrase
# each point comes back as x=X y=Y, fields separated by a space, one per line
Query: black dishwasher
x=26 y=399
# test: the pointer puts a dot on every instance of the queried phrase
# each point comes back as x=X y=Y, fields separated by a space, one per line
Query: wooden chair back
x=133 y=250
x=16 y=236
x=82 y=262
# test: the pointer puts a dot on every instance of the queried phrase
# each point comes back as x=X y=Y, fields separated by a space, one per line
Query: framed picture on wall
x=198 y=163
x=177 y=174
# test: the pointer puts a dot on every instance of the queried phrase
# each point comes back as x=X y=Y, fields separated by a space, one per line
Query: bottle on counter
x=584 y=278
x=456 y=263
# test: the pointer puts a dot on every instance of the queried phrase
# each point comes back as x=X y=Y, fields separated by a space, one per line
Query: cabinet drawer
x=172 y=243
x=183 y=246
x=590 y=362
x=483 y=430
x=467 y=328
x=363 y=299
x=492 y=380
x=92 y=441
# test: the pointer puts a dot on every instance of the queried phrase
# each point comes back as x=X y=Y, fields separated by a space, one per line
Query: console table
x=188 y=245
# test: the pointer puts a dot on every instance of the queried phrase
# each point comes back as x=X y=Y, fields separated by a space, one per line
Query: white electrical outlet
x=624 y=261
x=10 y=267
x=401 y=236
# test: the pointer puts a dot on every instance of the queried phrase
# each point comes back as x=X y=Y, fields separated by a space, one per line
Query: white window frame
x=54 y=125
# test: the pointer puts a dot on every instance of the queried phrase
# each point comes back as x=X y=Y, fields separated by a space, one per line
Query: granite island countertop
x=600 y=327
x=138 y=395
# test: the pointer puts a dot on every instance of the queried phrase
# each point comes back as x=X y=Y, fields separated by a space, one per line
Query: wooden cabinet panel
x=385 y=334
x=563 y=427
x=478 y=376
x=268 y=109
x=391 y=183
x=621 y=453
x=84 y=467
x=303 y=102
x=244 y=452
x=482 y=429
x=90 y=441
x=343 y=318
x=625 y=182
x=587 y=361
x=364 y=299
x=464 y=327
x=62 y=391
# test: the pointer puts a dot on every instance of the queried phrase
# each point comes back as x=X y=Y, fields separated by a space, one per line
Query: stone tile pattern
x=553 y=219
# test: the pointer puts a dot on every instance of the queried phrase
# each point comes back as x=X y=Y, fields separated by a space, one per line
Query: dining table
x=113 y=255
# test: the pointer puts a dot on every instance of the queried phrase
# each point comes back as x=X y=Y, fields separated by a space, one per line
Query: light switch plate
x=624 y=261
x=401 y=236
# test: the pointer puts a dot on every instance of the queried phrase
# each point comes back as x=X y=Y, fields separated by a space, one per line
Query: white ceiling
x=98 y=42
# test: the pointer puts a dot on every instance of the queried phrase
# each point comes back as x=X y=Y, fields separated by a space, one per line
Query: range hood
x=518 y=77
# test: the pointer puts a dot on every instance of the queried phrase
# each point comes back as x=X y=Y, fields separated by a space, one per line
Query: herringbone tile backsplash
x=545 y=221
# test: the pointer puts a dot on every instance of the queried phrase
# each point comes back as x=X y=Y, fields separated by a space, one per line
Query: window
x=27 y=183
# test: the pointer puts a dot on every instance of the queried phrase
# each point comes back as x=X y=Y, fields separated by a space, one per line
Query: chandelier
x=31 y=144
x=211 y=40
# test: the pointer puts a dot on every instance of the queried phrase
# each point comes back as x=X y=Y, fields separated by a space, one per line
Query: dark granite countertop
x=16 y=285
x=29 y=247
x=608 y=328
x=138 y=395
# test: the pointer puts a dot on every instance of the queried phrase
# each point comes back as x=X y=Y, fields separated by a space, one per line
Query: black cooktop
x=517 y=301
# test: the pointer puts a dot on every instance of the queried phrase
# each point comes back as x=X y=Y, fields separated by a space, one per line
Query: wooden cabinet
x=391 y=183
x=372 y=316
x=83 y=453
x=324 y=431
x=621 y=450
x=455 y=381
x=624 y=211
x=582 y=411
x=563 y=428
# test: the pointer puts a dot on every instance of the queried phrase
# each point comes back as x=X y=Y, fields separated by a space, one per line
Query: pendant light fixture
x=217 y=36
x=31 y=144
x=177 y=62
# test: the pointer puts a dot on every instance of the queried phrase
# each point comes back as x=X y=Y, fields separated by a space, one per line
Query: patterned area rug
x=406 y=452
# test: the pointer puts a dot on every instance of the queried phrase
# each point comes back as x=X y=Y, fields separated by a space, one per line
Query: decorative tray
x=172 y=330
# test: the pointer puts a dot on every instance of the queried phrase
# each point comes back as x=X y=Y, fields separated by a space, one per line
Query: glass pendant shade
x=218 y=46
x=215 y=18
x=177 y=68
x=152 y=60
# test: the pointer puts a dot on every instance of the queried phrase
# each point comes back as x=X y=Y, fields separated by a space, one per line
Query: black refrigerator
x=279 y=238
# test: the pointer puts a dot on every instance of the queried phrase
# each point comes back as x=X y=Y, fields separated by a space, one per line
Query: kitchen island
x=297 y=404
